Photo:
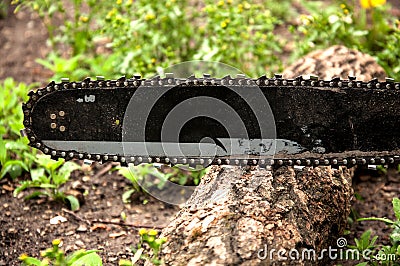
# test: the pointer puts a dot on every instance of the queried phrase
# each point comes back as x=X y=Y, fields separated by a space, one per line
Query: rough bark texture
x=336 y=61
x=234 y=213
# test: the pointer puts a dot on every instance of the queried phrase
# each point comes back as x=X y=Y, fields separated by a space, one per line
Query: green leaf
x=91 y=258
x=123 y=262
x=23 y=185
x=126 y=197
x=385 y=220
x=395 y=237
x=64 y=173
x=14 y=145
x=74 y=202
x=14 y=168
x=362 y=264
x=396 y=207
x=49 y=164
x=37 y=174
x=3 y=151
x=35 y=194
x=32 y=261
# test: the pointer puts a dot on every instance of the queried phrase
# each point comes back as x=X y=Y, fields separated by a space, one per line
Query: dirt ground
x=25 y=225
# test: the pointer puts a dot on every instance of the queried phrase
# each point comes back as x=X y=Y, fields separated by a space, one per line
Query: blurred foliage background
x=125 y=37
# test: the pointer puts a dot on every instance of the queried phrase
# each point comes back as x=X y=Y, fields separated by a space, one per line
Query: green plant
x=148 y=248
x=386 y=255
x=144 y=36
x=371 y=30
x=48 y=177
x=15 y=155
x=138 y=177
x=240 y=34
x=148 y=239
x=56 y=256
x=75 y=32
x=15 y=158
x=365 y=242
x=3 y=9
x=145 y=176
x=184 y=175
x=11 y=96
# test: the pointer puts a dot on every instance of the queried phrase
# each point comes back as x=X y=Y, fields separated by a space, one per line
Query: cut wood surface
x=239 y=217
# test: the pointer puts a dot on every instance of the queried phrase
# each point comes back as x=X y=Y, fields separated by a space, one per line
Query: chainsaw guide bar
x=218 y=121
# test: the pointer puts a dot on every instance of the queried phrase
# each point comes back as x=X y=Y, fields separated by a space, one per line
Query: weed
x=386 y=254
x=16 y=156
x=56 y=256
x=371 y=30
x=145 y=176
x=48 y=177
x=148 y=240
x=138 y=177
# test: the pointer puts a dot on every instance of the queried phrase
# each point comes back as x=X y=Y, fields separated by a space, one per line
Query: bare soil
x=25 y=225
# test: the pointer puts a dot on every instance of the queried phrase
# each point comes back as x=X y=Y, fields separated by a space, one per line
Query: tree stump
x=245 y=217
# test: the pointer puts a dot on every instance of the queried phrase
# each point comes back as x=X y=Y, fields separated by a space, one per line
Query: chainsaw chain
x=192 y=81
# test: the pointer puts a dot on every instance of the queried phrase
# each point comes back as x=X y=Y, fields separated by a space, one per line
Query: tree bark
x=239 y=217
